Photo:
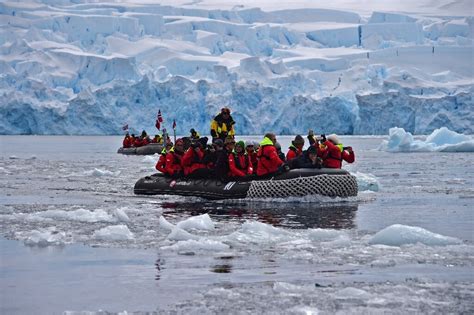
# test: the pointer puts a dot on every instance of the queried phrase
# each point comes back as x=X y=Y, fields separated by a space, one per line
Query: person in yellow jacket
x=222 y=125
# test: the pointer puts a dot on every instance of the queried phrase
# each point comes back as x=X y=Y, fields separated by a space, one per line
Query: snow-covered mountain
x=349 y=66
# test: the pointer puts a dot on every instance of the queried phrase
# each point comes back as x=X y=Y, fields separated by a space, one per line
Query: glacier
x=87 y=68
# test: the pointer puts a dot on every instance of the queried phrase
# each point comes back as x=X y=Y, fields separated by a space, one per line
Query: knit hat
x=312 y=150
x=229 y=139
x=218 y=142
x=179 y=142
x=333 y=138
x=203 y=141
x=249 y=144
x=240 y=144
x=298 y=140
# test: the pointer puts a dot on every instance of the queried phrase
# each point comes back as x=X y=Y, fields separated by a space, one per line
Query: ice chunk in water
x=114 y=233
x=440 y=140
x=200 y=222
x=397 y=235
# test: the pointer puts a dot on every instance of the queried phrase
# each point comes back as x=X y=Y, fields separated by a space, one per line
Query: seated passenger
x=222 y=168
x=332 y=155
x=296 y=148
x=127 y=141
x=268 y=160
x=157 y=139
x=173 y=160
x=239 y=162
x=252 y=154
x=281 y=155
x=194 y=134
x=309 y=159
x=161 y=164
x=138 y=142
x=192 y=161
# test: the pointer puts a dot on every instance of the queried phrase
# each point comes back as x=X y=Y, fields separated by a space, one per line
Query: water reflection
x=288 y=215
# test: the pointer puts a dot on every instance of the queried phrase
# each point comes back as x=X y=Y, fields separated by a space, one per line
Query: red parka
x=127 y=142
x=293 y=152
x=332 y=156
x=173 y=162
x=192 y=161
x=268 y=160
x=161 y=164
x=239 y=165
x=348 y=155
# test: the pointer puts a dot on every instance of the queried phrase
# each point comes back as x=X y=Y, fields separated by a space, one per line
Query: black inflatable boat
x=297 y=183
x=148 y=149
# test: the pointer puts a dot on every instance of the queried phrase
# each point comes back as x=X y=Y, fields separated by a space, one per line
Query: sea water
x=75 y=238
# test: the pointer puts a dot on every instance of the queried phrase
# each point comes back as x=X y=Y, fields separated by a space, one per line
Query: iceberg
x=88 y=69
x=440 y=140
x=397 y=235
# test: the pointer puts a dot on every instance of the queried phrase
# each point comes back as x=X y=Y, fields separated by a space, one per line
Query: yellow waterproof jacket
x=221 y=128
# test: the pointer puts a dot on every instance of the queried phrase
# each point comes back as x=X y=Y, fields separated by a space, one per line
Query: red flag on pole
x=157 y=124
x=159 y=117
x=174 y=124
x=125 y=127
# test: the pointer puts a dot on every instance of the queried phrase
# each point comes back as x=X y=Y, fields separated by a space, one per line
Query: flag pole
x=174 y=130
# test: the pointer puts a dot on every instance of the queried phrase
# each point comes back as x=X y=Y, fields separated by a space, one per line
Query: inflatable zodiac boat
x=148 y=149
x=295 y=183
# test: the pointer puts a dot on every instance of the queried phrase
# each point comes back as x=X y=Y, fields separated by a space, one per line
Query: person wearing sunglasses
x=222 y=125
x=173 y=160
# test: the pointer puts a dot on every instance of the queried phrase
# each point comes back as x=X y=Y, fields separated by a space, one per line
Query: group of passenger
x=226 y=159
x=132 y=141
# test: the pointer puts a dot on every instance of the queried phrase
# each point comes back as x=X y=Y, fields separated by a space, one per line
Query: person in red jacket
x=332 y=155
x=296 y=148
x=127 y=141
x=239 y=162
x=173 y=159
x=250 y=150
x=348 y=155
x=161 y=164
x=193 y=158
x=268 y=160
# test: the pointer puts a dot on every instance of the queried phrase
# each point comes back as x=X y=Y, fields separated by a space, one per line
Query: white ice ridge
x=441 y=140
x=366 y=182
x=43 y=237
x=114 y=233
x=332 y=66
x=81 y=215
x=397 y=235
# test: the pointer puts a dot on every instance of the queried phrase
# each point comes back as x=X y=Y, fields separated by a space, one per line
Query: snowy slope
x=352 y=67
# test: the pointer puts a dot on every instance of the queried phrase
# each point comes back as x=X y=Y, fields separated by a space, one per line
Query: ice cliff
x=73 y=67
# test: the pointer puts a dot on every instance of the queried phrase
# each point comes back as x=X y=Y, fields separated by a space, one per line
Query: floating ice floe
x=81 y=215
x=397 y=235
x=197 y=245
x=114 y=233
x=366 y=182
x=200 y=222
x=99 y=173
x=149 y=159
x=441 y=140
x=43 y=237
x=120 y=214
